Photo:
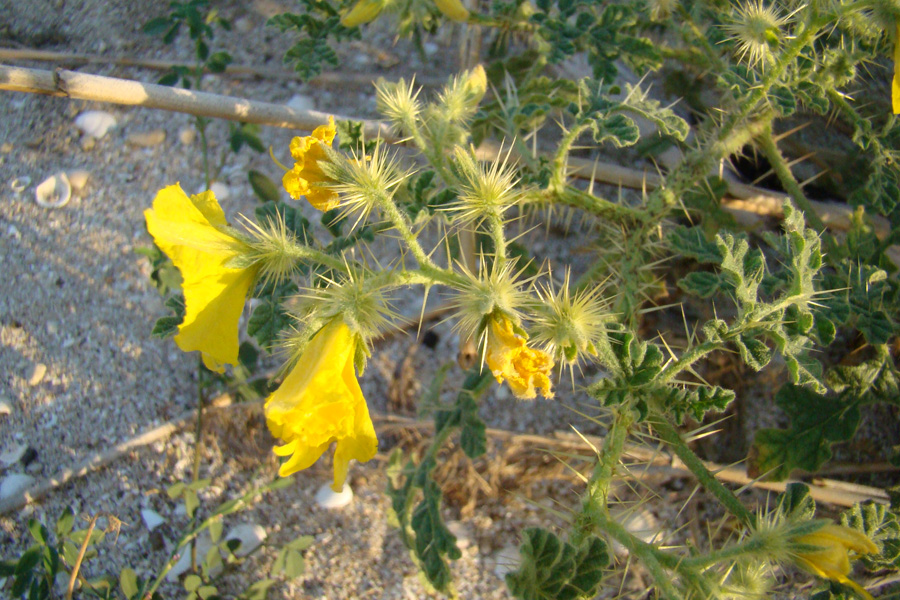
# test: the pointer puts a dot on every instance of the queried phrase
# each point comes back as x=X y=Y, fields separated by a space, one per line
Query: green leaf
x=191 y=502
x=702 y=283
x=556 y=570
x=258 y=590
x=156 y=26
x=65 y=522
x=743 y=267
x=218 y=62
x=264 y=188
x=754 y=352
x=433 y=540
x=166 y=327
x=266 y=322
x=128 y=583
x=697 y=401
x=37 y=530
x=880 y=525
x=796 y=503
x=817 y=421
x=692 y=242
x=192 y=583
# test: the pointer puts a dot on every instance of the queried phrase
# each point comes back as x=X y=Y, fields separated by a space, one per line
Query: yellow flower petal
x=306 y=178
x=525 y=369
x=320 y=402
x=190 y=231
x=453 y=10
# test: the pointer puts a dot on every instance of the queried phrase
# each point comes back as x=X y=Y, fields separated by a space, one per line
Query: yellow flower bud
x=830 y=559
x=362 y=12
x=453 y=10
x=895 y=84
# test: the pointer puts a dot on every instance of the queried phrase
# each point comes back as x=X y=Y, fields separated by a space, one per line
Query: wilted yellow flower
x=306 y=175
x=194 y=234
x=525 y=369
x=320 y=402
x=453 y=9
x=832 y=559
x=362 y=12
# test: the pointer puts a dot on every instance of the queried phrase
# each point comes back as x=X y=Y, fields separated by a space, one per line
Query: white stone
x=328 y=498
x=53 y=192
x=14 y=484
x=95 y=123
x=13 y=454
x=221 y=191
x=507 y=561
x=5 y=408
x=183 y=565
x=250 y=535
x=461 y=532
x=152 y=519
x=301 y=102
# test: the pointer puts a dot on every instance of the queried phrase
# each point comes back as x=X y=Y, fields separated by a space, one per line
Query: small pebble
x=95 y=123
x=301 y=102
x=52 y=327
x=15 y=484
x=152 y=519
x=5 y=408
x=78 y=179
x=88 y=143
x=6 y=148
x=243 y=25
x=186 y=135
x=147 y=139
x=328 y=498
x=37 y=374
x=250 y=535
x=12 y=455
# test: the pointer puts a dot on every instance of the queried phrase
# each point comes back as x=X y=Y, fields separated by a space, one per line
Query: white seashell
x=250 y=535
x=20 y=183
x=53 y=192
x=184 y=561
x=95 y=123
x=328 y=498
x=5 y=408
x=13 y=454
x=78 y=179
x=152 y=519
x=461 y=533
x=15 y=484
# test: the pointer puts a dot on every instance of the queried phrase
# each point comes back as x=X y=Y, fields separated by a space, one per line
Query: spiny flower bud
x=570 y=324
x=399 y=103
x=756 y=29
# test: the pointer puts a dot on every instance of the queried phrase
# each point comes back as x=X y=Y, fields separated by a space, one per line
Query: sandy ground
x=80 y=373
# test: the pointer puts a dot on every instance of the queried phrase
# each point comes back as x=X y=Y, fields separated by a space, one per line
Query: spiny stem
x=198 y=446
x=783 y=171
x=668 y=434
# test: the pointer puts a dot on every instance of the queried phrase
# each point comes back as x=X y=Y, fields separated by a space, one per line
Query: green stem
x=605 y=469
x=558 y=176
x=770 y=150
x=198 y=447
x=670 y=435
x=495 y=225
x=204 y=147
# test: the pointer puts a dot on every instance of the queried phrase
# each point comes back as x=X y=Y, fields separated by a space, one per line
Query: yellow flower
x=306 y=177
x=320 y=402
x=453 y=10
x=362 y=12
x=194 y=234
x=525 y=369
x=832 y=560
